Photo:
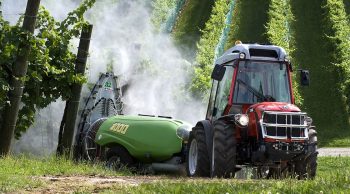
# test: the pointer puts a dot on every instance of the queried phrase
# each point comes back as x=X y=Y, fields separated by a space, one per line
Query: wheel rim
x=90 y=146
x=192 y=157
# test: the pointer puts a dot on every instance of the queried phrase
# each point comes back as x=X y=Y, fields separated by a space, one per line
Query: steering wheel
x=269 y=98
x=252 y=90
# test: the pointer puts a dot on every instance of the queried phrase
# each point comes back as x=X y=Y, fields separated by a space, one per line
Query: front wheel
x=223 y=162
x=197 y=161
x=306 y=167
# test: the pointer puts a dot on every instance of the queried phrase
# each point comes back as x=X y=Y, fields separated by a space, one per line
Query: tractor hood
x=274 y=106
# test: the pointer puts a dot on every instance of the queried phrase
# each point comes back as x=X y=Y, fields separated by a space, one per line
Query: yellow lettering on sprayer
x=119 y=128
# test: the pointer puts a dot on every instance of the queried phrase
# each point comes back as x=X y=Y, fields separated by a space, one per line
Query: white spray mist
x=147 y=60
x=124 y=37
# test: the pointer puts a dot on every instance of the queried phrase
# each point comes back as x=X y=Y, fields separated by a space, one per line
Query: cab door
x=220 y=95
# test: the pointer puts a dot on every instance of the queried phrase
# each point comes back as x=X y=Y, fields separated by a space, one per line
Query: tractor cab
x=248 y=74
x=248 y=82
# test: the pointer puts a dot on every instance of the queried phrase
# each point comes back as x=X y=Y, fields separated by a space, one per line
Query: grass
x=17 y=172
x=331 y=179
x=333 y=176
x=10 y=183
x=322 y=100
x=336 y=141
x=26 y=165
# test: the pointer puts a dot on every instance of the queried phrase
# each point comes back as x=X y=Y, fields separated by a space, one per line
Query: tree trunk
x=10 y=112
x=72 y=104
x=59 y=150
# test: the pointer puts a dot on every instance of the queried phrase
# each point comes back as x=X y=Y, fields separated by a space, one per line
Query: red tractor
x=252 y=119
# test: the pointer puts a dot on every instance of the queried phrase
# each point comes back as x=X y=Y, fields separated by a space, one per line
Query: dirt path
x=334 y=151
x=87 y=184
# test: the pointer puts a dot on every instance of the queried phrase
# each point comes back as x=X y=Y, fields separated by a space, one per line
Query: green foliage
x=51 y=63
x=278 y=28
x=279 y=33
x=7 y=33
x=206 y=48
x=347 y=7
x=338 y=31
x=249 y=20
x=192 y=19
x=161 y=11
x=201 y=81
x=175 y=12
x=314 y=51
x=220 y=47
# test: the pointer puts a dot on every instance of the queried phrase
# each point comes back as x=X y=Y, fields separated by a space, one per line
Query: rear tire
x=223 y=163
x=118 y=158
x=197 y=159
x=306 y=167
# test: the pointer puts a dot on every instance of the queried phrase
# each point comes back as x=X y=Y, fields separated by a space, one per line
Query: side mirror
x=304 y=77
x=218 y=72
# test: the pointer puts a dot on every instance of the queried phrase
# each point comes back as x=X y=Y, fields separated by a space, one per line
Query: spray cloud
x=147 y=61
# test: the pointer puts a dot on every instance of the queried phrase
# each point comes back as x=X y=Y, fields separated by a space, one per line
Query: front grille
x=284 y=125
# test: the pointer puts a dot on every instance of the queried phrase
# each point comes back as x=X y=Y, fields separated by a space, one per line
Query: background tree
x=50 y=63
x=16 y=81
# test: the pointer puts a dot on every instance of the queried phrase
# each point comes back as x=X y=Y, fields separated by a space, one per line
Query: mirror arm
x=290 y=66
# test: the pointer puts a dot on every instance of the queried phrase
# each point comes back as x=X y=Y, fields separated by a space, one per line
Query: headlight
x=242 y=120
x=184 y=132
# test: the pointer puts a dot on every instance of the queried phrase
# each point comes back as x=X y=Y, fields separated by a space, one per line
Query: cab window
x=223 y=92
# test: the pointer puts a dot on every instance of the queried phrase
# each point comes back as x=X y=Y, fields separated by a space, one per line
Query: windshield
x=261 y=81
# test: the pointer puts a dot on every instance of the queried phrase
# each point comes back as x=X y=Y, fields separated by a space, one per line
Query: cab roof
x=253 y=52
